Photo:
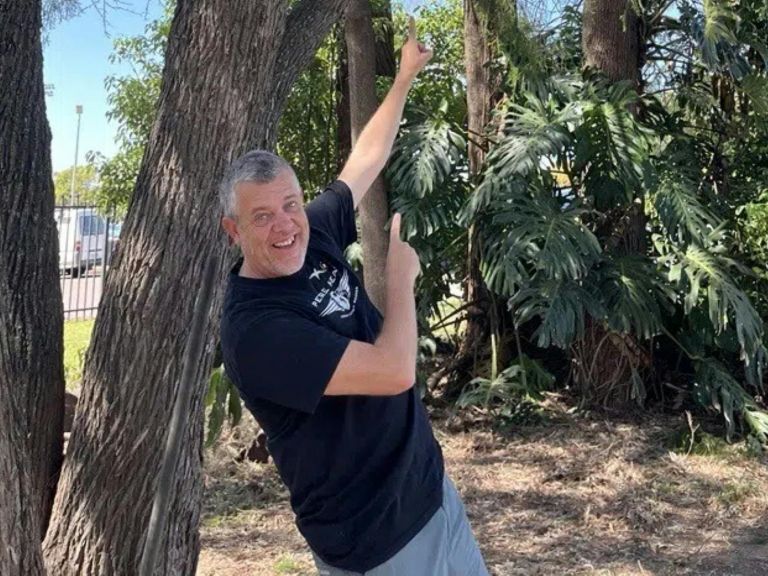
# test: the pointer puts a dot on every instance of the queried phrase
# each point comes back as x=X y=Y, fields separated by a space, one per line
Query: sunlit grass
x=77 y=335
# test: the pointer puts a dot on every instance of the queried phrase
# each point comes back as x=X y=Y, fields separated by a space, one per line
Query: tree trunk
x=343 y=120
x=477 y=54
x=611 y=39
x=229 y=68
x=374 y=209
x=20 y=553
x=31 y=314
x=386 y=65
x=612 y=45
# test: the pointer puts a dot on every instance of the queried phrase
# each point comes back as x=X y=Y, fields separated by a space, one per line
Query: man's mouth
x=285 y=243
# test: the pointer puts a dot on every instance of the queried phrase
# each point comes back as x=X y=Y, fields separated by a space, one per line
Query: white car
x=82 y=239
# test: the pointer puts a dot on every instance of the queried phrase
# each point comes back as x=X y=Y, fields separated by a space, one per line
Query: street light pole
x=79 y=111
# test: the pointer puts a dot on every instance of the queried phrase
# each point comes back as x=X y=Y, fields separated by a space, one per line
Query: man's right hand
x=402 y=260
x=388 y=366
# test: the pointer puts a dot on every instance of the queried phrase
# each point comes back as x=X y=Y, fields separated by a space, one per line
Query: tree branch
x=306 y=27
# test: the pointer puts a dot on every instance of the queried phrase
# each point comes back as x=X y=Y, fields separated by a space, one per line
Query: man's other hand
x=414 y=55
x=402 y=261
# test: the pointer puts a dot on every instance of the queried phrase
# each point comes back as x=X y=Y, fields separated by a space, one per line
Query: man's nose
x=283 y=221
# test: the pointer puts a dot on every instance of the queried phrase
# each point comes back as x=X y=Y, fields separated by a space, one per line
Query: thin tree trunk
x=374 y=209
x=31 y=316
x=477 y=54
x=212 y=108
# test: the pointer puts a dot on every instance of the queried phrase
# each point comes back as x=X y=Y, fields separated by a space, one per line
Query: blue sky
x=76 y=63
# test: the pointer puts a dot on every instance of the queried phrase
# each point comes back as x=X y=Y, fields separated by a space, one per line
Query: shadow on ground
x=572 y=495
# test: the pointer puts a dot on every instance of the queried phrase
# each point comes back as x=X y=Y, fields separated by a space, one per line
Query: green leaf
x=634 y=295
x=756 y=87
x=561 y=306
x=715 y=388
x=682 y=214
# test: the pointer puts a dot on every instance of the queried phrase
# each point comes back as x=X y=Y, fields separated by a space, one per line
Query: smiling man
x=328 y=379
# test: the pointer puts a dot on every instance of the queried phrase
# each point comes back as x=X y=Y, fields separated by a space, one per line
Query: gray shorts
x=444 y=547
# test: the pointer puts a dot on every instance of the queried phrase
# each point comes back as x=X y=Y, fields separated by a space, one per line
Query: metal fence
x=87 y=243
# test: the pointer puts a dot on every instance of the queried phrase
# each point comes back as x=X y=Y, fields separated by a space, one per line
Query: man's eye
x=292 y=205
x=261 y=218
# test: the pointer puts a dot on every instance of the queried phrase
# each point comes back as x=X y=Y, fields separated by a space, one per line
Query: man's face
x=270 y=226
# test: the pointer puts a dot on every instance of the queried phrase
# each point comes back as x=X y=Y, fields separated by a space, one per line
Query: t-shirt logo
x=341 y=298
x=317 y=272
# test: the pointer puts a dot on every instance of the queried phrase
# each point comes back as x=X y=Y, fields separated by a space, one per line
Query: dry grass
x=574 y=495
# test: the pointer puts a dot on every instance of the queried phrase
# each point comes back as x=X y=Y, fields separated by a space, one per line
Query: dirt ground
x=574 y=494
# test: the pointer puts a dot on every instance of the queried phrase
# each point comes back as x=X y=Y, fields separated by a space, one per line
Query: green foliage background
x=569 y=157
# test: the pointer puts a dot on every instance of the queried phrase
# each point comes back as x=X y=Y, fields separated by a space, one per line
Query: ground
x=574 y=494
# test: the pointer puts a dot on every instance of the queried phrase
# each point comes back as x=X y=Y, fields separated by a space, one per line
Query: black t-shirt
x=364 y=472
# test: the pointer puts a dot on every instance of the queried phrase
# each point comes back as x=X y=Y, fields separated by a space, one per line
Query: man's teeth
x=285 y=244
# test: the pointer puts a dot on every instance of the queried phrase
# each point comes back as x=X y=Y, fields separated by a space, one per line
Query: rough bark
x=374 y=209
x=229 y=67
x=31 y=316
x=343 y=120
x=20 y=553
x=611 y=39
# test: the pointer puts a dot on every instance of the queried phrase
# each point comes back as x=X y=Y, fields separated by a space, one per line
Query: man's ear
x=230 y=226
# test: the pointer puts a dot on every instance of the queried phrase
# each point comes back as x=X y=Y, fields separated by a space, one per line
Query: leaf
x=611 y=148
x=756 y=87
x=719 y=25
x=536 y=130
x=536 y=229
x=423 y=157
x=682 y=214
x=634 y=295
x=561 y=306
x=223 y=400
x=715 y=388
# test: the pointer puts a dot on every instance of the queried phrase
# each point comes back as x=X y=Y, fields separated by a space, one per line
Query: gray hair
x=259 y=166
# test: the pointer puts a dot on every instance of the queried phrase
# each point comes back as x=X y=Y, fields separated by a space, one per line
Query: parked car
x=82 y=239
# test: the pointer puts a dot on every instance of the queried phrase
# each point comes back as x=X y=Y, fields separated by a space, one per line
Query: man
x=329 y=380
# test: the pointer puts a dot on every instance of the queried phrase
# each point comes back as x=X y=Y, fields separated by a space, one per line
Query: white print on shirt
x=340 y=298
x=317 y=272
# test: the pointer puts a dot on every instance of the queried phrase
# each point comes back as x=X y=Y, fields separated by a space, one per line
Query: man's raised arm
x=374 y=144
